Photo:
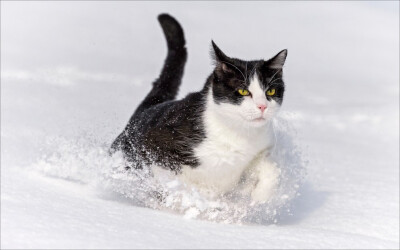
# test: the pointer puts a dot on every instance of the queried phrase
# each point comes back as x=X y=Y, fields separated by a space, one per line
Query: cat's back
x=172 y=114
x=169 y=131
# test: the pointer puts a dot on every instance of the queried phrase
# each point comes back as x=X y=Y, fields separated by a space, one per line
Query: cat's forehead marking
x=255 y=86
x=257 y=90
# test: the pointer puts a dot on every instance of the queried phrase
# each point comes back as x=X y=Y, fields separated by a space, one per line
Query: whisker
x=254 y=69
x=242 y=84
x=271 y=82
x=275 y=137
x=246 y=73
x=237 y=69
x=272 y=78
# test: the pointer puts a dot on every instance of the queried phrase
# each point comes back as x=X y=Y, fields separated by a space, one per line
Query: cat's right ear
x=220 y=59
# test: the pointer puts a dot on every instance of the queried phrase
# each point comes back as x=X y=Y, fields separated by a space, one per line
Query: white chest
x=224 y=155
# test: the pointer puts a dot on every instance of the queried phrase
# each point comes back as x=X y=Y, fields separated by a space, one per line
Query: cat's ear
x=217 y=53
x=220 y=59
x=277 y=61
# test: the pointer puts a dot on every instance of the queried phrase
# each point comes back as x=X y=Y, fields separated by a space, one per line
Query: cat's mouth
x=259 y=119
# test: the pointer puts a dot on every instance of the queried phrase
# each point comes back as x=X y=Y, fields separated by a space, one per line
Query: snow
x=73 y=72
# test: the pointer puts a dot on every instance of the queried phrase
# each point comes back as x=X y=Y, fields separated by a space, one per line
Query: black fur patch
x=165 y=131
x=232 y=74
x=162 y=130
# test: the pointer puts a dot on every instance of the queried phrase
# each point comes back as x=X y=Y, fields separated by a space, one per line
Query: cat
x=214 y=138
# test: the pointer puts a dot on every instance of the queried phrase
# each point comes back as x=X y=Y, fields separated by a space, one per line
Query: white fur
x=235 y=136
x=267 y=177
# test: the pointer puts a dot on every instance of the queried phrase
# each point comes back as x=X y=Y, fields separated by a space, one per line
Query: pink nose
x=262 y=107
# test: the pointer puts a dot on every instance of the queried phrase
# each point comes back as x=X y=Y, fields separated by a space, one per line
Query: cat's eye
x=243 y=92
x=270 y=92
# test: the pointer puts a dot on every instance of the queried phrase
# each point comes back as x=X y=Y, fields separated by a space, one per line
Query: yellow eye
x=243 y=92
x=271 y=92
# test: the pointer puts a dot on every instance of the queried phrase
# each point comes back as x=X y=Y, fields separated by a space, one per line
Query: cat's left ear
x=218 y=55
x=277 y=61
x=220 y=59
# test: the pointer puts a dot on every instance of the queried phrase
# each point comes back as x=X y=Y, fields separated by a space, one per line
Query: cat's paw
x=268 y=179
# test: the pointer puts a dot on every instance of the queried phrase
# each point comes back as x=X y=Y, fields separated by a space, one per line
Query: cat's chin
x=257 y=122
x=260 y=119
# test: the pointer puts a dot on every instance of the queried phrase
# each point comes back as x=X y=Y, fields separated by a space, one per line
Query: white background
x=76 y=70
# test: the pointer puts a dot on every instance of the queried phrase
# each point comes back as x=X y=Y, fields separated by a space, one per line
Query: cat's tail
x=166 y=87
x=173 y=32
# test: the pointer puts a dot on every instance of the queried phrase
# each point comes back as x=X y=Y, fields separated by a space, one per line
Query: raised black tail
x=173 y=32
x=166 y=87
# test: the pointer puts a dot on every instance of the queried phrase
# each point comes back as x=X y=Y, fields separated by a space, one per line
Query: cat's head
x=248 y=92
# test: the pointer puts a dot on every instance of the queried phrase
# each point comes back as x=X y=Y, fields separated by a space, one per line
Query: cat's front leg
x=267 y=176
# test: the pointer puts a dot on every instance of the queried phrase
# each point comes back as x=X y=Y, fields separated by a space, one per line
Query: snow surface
x=73 y=72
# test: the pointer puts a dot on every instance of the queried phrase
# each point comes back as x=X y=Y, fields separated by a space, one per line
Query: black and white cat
x=214 y=138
